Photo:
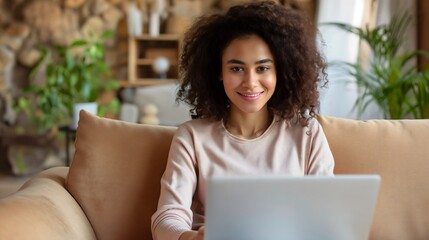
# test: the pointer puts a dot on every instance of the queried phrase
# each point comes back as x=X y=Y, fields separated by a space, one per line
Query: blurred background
x=123 y=56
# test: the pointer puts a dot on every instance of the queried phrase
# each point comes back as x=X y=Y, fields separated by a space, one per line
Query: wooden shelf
x=142 y=50
x=147 y=61
x=146 y=82
x=162 y=37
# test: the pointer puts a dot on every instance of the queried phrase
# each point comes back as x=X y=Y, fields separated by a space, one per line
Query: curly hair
x=300 y=68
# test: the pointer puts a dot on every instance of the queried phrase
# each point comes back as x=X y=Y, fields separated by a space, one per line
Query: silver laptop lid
x=304 y=208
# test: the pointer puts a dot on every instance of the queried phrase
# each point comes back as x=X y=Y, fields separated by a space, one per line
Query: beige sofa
x=111 y=188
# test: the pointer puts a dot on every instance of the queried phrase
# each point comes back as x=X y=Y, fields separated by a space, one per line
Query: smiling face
x=248 y=74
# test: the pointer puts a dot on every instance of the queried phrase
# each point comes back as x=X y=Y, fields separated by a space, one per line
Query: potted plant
x=72 y=74
x=389 y=79
x=76 y=73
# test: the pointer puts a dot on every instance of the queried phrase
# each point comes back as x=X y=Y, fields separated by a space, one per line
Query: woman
x=252 y=77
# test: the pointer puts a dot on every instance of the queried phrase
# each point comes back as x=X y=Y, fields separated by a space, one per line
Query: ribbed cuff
x=170 y=230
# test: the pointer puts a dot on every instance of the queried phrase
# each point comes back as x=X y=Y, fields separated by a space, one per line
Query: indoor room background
x=143 y=50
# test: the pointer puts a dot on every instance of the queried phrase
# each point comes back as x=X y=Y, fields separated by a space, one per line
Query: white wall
x=339 y=98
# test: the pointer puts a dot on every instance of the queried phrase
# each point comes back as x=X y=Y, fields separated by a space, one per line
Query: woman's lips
x=250 y=96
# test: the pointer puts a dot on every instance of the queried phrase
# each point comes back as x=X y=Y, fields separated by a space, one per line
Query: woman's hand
x=200 y=233
x=193 y=235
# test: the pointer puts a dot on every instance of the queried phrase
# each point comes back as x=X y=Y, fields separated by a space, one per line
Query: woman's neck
x=248 y=125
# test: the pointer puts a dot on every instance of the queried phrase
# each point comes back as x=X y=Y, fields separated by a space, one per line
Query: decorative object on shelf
x=163 y=96
x=134 y=20
x=160 y=66
x=149 y=114
x=158 y=11
x=154 y=24
x=389 y=79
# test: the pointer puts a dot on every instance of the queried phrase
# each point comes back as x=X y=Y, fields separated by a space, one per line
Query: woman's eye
x=236 y=69
x=262 y=69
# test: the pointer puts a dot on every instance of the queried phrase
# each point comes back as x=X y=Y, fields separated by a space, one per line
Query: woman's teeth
x=250 y=95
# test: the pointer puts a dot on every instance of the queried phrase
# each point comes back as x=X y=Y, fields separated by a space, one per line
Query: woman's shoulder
x=198 y=125
x=198 y=122
x=294 y=125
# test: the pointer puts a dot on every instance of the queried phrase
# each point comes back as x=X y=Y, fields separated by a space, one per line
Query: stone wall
x=27 y=25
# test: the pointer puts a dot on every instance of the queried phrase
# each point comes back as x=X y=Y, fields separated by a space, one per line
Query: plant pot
x=91 y=107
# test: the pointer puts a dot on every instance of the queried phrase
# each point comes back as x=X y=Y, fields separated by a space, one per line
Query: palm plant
x=389 y=79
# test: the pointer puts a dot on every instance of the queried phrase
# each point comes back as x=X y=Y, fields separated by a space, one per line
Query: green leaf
x=78 y=43
x=106 y=34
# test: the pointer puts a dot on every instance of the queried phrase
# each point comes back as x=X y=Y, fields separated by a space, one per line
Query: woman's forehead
x=250 y=47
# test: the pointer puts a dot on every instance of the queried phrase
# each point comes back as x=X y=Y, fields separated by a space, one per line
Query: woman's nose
x=250 y=79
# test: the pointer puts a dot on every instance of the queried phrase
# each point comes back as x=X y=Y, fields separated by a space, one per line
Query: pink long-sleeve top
x=202 y=148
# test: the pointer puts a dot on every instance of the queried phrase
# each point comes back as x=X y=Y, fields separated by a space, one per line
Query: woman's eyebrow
x=266 y=60
x=235 y=61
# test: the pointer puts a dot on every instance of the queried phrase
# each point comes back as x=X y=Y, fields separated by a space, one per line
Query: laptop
x=279 y=208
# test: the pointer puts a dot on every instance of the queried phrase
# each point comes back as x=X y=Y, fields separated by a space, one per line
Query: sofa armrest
x=43 y=209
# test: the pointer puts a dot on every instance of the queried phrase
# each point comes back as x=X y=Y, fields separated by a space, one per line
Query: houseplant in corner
x=388 y=78
x=72 y=74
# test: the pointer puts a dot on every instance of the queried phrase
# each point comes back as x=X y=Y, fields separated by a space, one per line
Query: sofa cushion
x=43 y=209
x=399 y=152
x=115 y=174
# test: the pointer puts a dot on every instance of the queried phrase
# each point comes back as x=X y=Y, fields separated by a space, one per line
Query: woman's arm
x=321 y=160
x=178 y=184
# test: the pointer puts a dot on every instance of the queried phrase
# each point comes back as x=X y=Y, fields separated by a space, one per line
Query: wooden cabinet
x=143 y=50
